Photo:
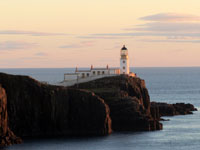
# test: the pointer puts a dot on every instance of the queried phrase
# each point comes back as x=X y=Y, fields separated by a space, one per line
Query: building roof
x=83 y=70
x=70 y=74
x=96 y=69
x=104 y=68
x=114 y=68
x=124 y=48
x=99 y=68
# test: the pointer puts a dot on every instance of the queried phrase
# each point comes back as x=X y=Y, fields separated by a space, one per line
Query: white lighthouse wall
x=124 y=63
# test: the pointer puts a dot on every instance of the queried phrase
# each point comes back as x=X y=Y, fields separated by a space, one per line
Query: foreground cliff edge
x=39 y=110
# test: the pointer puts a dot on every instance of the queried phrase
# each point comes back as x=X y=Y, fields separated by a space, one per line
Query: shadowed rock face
x=3 y=112
x=7 y=137
x=36 y=109
x=165 y=109
x=130 y=106
x=128 y=100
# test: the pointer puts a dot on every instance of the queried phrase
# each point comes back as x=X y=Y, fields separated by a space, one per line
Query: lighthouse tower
x=124 y=61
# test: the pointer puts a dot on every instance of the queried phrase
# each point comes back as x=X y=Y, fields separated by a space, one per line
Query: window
x=103 y=72
x=98 y=72
x=123 y=67
x=88 y=74
x=93 y=72
x=124 y=61
x=83 y=75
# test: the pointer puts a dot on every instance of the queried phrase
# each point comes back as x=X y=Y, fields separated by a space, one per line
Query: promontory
x=29 y=108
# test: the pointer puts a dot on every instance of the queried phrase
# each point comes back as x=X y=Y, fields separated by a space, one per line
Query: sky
x=80 y=33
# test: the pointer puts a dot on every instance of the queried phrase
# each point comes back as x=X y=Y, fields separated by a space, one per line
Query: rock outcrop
x=7 y=137
x=164 y=109
x=36 y=109
x=128 y=100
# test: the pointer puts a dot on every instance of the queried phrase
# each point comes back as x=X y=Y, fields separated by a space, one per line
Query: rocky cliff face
x=7 y=137
x=128 y=100
x=36 y=109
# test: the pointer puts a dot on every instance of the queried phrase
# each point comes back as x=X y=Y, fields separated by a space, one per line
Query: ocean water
x=169 y=85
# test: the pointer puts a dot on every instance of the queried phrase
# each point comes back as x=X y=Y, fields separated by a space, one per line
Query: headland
x=98 y=107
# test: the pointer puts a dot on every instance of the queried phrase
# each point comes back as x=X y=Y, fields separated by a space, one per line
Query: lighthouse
x=83 y=75
x=124 y=61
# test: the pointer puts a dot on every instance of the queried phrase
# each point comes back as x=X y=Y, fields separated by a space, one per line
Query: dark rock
x=128 y=100
x=36 y=109
x=173 y=109
x=7 y=137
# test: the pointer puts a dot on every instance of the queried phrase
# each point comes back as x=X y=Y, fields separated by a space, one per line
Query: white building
x=91 y=73
x=124 y=61
x=80 y=76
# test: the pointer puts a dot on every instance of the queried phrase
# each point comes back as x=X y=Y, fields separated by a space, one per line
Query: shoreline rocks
x=164 y=109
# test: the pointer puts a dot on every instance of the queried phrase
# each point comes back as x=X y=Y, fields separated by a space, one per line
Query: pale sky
x=70 y=33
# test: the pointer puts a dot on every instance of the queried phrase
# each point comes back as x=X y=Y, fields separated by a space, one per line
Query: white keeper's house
x=80 y=76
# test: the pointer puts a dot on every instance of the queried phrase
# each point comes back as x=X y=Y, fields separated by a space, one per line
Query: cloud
x=87 y=43
x=29 y=58
x=169 y=41
x=173 y=27
x=98 y=36
x=168 y=27
x=31 y=33
x=71 y=46
x=15 y=45
x=82 y=44
x=140 y=34
x=170 y=23
x=171 y=17
x=40 y=54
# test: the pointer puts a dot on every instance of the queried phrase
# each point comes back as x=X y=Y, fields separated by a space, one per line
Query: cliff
x=36 y=109
x=128 y=100
x=129 y=103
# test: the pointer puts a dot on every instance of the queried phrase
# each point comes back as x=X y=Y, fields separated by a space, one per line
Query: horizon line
x=100 y=66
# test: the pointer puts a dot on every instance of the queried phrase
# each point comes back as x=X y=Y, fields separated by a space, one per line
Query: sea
x=171 y=85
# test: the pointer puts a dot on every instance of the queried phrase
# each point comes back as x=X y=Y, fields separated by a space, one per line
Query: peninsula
x=111 y=104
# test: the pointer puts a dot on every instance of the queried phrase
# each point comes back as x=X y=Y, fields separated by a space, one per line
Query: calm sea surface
x=164 y=84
